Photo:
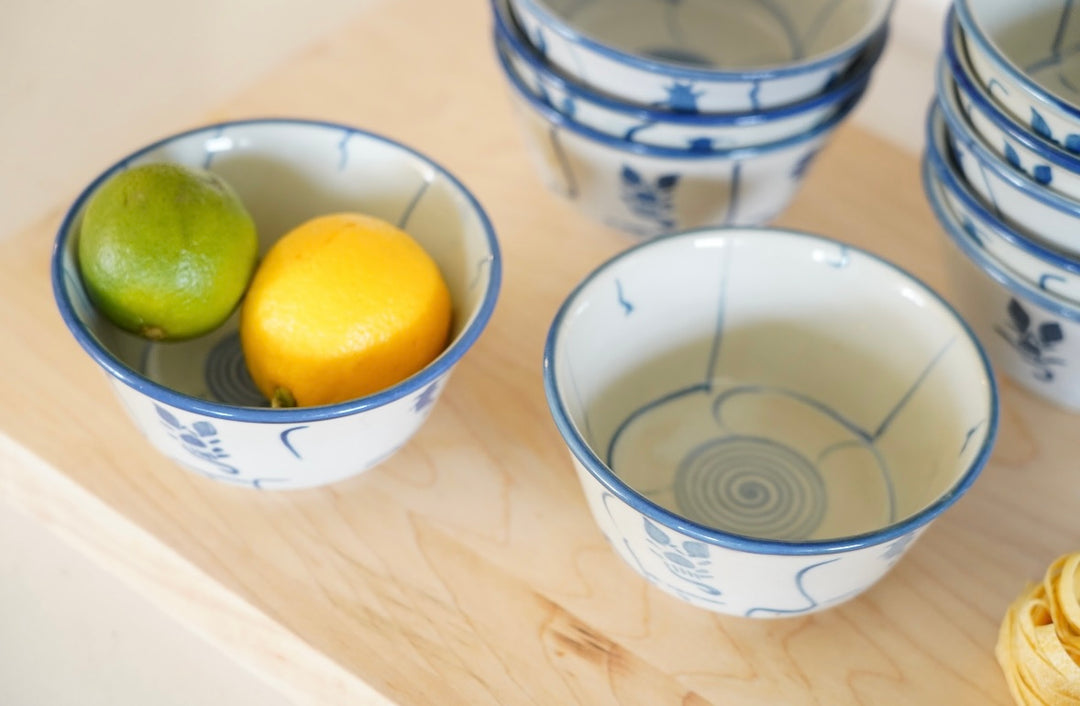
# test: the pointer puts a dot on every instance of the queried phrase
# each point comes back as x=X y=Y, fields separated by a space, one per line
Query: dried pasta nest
x=1038 y=646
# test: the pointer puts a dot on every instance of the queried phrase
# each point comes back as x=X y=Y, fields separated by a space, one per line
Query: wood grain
x=466 y=570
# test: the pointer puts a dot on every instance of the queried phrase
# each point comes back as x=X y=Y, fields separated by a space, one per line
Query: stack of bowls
x=1002 y=172
x=655 y=116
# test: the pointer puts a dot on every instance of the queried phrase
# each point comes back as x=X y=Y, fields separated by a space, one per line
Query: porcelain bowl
x=1024 y=150
x=667 y=128
x=194 y=400
x=647 y=190
x=1012 y=196
x=703 y=55
x=1031 y=334
x=1025 y=55
x=1023 y=257
x=763 y=420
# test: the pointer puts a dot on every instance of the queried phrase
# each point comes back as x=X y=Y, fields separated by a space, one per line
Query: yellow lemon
x=343 y=306
x=166 y=250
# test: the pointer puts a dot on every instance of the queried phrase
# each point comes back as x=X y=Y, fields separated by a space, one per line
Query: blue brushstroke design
x=801 y=588
x=755 y=95
x=343 y=150
x=626 y=305
x=284 y=436
x=969 y=436
x=1047 y=277
x=699 y=388
x=403 y=221
x=993 y=84
x=733 y=198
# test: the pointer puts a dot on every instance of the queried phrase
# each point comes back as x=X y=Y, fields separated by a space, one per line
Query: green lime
x=166 y=251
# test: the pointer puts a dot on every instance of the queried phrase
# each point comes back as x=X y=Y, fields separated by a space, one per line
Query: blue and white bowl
x=1012 y=196
x=194 y=400
x=703 y=55
x=1027 y=56
x=667 y=128
x=1039 y=158
x=763 y=420
x=1031 y=334
x=1023 y=257
x=647 y=190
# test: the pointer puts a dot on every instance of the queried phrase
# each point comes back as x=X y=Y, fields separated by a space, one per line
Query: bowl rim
x=961 y=68
x=121 y=372
x=554 y=23
x=955 y=184
x=1045 y=299
x=975 y=33
x=959 y=129
x=856 y=77
x=638 y=502
x=554 y=117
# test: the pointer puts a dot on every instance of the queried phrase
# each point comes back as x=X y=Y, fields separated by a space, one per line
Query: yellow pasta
x=1039 y=643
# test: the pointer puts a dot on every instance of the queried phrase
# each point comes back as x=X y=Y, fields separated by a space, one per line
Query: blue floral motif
x=801 y=167
x=1033 y=342
x=1011 y=156
x=687 y=561
x=200 y=439
x=1042 y=174
x=1072 y=143
x=649 y=200
x=972 y=231
x=1040 y=127
x=682 y=97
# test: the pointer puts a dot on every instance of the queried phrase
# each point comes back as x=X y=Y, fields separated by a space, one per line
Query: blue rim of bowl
x=973 y=32
x=961 y=240
x=557 y=25
x=610 y=481
x=554 y=117
x=852 y=80
x=956 y=185
x=961 y=130
x=117 y=369
x=962 y=76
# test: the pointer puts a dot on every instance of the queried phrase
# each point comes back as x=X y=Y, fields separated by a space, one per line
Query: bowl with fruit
x=277 y=303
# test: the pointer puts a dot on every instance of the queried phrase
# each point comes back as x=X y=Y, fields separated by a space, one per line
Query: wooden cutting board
x=466 y=569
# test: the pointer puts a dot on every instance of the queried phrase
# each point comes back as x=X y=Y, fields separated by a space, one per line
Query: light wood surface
x=466 y=569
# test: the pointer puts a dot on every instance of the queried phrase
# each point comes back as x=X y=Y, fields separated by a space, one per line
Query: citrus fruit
x=342 y=306
x=166 y=251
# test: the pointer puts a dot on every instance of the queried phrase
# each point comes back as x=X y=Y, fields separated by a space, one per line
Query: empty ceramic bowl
x=1039 y=158
x=1023 y=257
x=763 y=420
x=647 y=190
x=668 y=128
x=1026 y=56
x=194 y=400
x=703 y=55
x=1012 y=196
x=1032 y=335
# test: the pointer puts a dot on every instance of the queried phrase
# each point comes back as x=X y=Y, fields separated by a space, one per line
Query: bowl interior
x=1040 y=38
x=287 y=172
x=721 y=34
x=771 y=385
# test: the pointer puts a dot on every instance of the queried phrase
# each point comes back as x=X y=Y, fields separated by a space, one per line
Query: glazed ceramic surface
x=1027 y=55
x=1012 y=196
x=702 y=55
x=647 y=190
x=194 y=400
x=1022 y=256
x=1042 y=160
x=666 y=128
x=1031 y=335
x=763 y=420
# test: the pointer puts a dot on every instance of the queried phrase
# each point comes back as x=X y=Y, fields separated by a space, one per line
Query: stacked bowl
x=655 y=116
x=1002 y=172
